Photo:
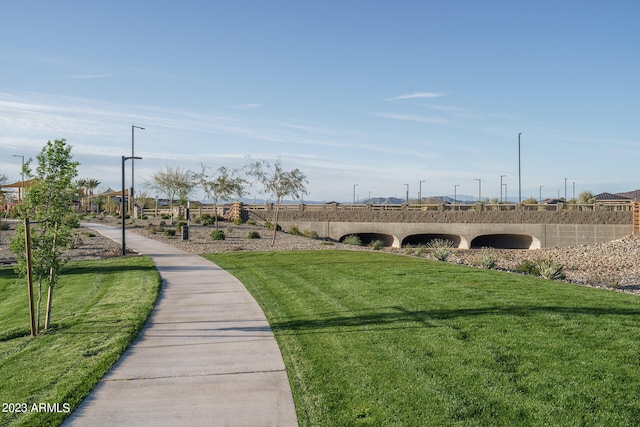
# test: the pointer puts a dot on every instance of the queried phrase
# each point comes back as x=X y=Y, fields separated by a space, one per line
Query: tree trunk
x=47 y=321
x=275 y=224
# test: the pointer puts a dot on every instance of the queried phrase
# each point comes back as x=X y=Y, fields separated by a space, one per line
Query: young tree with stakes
x=48 y=202
x=222 y=185
x=278 y=183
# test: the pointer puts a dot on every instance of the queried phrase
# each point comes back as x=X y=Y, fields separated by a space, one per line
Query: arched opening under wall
x=423 y=239
x=367 y=238
x=503 y=241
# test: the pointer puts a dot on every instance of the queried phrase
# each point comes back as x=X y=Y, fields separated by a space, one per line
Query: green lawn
x=378 y=339
x=98 y=309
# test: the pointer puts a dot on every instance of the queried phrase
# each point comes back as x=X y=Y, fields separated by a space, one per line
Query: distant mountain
x=633 y=195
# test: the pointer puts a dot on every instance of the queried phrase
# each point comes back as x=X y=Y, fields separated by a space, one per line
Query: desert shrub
x=543 y=267
x=251 y=222
x=376 y=245
x=420 y=250
x=352 y=239
x=549 y=269
x=527 y=267
x=163 y=223
x=72 y=220
x=485 y=259
x=170 y=232
x=218 y=235
x=310 y=234
x=294 y=230
x=408 y=250
x=165 y=216
x=326 y=243
x=441 y=248
x=237 y=221
x=269 y=225
x=180 y=224
x=253 y=235
x=4 y=225
x=89 y=234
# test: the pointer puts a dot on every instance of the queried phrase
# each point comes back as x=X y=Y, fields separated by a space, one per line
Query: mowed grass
x=98 y=309
x=378 y=339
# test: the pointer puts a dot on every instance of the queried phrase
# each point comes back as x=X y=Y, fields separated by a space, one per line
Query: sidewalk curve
x=206 y=357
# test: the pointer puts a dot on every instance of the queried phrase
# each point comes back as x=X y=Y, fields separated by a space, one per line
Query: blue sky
x=374 y=93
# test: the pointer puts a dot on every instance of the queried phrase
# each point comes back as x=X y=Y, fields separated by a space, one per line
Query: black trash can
x=185 y=232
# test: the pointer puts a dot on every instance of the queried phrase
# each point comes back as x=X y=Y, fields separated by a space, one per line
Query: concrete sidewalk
x=207 y=356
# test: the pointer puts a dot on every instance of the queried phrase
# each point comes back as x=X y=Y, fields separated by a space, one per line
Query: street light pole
x=20 y=196
x=501 y=176
x=354 y=193
x=565 y=190
x=479 y=189
x=519 y=173
x=122 y=201
x=455 y=193
x=540 y=201
x=407 y=193
x=132 y=205
x=420 y=192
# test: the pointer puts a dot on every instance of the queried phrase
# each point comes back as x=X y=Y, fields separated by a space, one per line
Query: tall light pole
x=407 y=193
x=479 y=189
x=455 y=193
x=519 y=173
x=420 y=191
x=354 y=193
x=369 y=197
x=501 y=176
x=506 y=197
x=131 y=196
x=574 y=190
x=20 y=196
x=565 y=190
x=540 y=201
x=122 y=200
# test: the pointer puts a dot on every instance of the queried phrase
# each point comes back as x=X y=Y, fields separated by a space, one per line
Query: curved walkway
x=206 y=357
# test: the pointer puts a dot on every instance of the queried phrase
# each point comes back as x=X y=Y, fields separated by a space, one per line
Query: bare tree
x=222 y=185
x=278 y=183
x=173 y=182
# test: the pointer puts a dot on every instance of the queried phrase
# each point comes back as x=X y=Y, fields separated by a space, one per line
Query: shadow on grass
x=395 y=316
x=104 y=269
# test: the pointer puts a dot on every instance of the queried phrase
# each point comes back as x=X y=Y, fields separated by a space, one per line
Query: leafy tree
x=173 y=182
x=222 y=185
x=586 y=198
x=48 y=202
x=278 y=183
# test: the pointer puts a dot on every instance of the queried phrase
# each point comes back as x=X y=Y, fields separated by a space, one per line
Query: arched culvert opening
x=502 y=241
x=367 y=238
x=424 y=239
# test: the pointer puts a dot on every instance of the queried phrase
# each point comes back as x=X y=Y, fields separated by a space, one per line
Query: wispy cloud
x=417 y=95
x=246 y=106
x=89 y=76
x=412 y=118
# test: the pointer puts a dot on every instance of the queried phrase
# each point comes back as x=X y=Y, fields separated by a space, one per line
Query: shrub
x=294 y=230
x=310 y=234
x=180 y=225
x=352 y=239
x=376 y=245
x=218 y=235
x=543 y=267
x=170 y=232
x=269 y=225
x=549 y=269
x=253 y=235
x=89 y=234
x=441 y=248
x=420 y=251
x=4 y=225
x=527 y=267
x=165 y=216
x=251 y=222
x=237 y=221
x=72 y=221
x=486 y=259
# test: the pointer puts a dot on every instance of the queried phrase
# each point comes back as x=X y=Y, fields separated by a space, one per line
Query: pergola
x=19 y=185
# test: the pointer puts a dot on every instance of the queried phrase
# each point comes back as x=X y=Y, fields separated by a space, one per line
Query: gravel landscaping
x=613 y=265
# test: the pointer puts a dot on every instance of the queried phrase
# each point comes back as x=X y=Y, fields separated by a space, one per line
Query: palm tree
x=82 y=192
x=91 y=184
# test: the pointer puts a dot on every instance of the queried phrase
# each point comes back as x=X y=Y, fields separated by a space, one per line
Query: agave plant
x=549 y=269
